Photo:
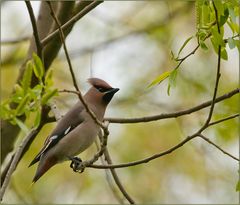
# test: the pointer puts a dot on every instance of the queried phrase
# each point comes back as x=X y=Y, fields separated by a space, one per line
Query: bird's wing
x=68 y=122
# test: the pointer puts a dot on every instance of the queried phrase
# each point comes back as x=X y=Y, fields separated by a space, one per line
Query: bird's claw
x=77 y=164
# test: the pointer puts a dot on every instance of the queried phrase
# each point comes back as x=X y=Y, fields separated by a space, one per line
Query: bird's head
x=101 y=90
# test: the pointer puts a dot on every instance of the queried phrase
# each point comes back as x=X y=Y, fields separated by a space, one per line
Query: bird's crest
x=96 y=82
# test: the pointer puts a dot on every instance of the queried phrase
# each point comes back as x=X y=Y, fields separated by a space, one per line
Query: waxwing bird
x=76 y=130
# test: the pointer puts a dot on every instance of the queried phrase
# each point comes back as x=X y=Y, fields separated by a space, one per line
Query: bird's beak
x=109 y=94
x=113 y=90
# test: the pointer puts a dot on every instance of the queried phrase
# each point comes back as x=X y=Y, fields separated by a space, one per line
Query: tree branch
x=44 y=119
x=146 y=160
x=212 y=143
x=35 y=30
x=72 y=73
x=222 y=120
x=174 y=114
x=116 y=178
x=217 y=78
x=71 y=21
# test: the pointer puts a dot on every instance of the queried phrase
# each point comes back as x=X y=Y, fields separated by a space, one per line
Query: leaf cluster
x=27 y=100
x=207 y=26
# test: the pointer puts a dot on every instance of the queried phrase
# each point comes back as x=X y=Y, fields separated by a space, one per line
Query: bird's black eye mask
x=102 y=89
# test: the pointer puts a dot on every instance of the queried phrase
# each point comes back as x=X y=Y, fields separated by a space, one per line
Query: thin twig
x=71 y=70
x=71 y=21
x=44 y=119
x=145 y=160
x=116 y=178
x=217 y=77
x=108 y=176
x=35 y=30
x=170 y=150
x=222 y=120
x=174 y=114
x=218 y=147
x=16 y=159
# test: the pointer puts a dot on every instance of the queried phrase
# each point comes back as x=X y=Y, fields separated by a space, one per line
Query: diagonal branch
x=218 y=147
x=72 y=73
x=222 y=120
x=35 y=30
x=116 y=178
x=71 y=21
x=145 y=160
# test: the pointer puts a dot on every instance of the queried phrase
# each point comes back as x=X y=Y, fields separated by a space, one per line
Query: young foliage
x=29 y=101
x=207 y=26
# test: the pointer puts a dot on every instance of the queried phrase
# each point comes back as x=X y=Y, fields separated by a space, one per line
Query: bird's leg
x=76 y=164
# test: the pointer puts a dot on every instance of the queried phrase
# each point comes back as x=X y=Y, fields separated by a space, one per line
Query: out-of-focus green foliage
x=195 y=173
x=29 y=100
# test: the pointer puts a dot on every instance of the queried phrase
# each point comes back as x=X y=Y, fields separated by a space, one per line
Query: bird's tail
x=44 y=165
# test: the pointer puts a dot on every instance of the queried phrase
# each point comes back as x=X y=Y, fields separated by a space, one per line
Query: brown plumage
x=76 y=130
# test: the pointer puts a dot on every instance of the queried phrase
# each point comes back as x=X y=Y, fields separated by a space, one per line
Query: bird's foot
x=77 y=164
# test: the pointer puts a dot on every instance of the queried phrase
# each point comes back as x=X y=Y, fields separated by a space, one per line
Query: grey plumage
x=76 y=131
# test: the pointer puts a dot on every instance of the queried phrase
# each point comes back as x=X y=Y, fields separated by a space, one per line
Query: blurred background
x=129 y=44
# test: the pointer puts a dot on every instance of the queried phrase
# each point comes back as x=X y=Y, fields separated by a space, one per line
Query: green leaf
x=18 y=90
x=219 y=6
x=230 y=24
x=223 y=18
x=37 y=118
x=184 y=44
x=21 y=107
x=231 y=43
x=159 y=79
x=23 y=127
x=38 y=67
x=48 y=79
x=6 y=112
x=218 y=37
x=232 y=14
x=238 y=186
x=27 y=77
x=205 y=14
x=35 y=92
x=215 y=45
x=48 y=95
x=172 y=80
x=203 y=45
x=224 y=54
x=237 y=43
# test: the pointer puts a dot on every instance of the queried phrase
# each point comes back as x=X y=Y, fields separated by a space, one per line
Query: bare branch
x=222 y=120
x=146 y=160
x=218 y=147
x=116 y=178
x=16 y=159
x=45 y=119
x=35 y=30
x=108 y=175
x=217 y=77
x=73 y=20
x=174 y=114
x=72 y=73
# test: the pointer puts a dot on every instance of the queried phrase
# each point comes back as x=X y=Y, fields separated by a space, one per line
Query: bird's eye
x=101 y=89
